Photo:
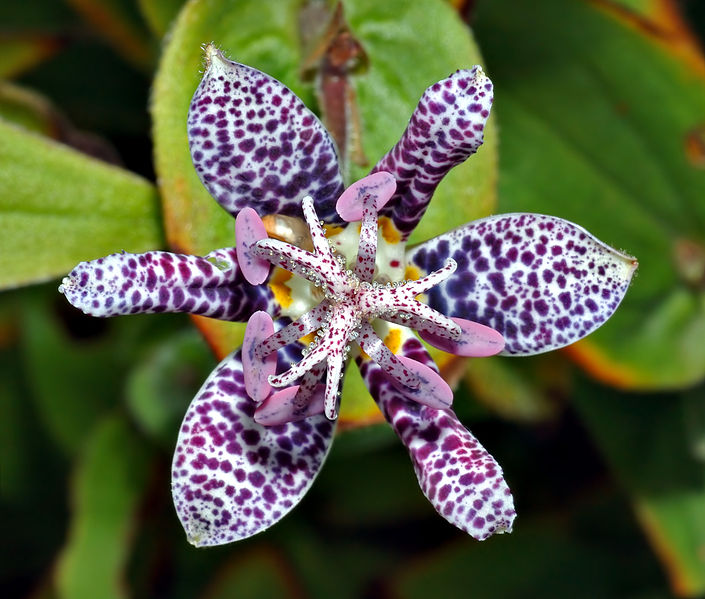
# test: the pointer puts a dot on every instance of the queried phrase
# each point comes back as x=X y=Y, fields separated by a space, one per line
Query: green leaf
x=260 y=573
x=538 y=559
x=599 y=118
x=265 y=36
x=75 y=366
x=19 y=53
x=60 y=207
x=32 y=470
x=161 y=387
x=27 y=109
x=391 y=33
x=519 y=390
x=647 y=439
x=120 y=22
x=108 y=485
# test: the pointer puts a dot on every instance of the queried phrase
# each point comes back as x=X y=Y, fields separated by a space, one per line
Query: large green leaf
x=654 y=444
x=597 y=118
x=265 y=36
x=75 y=367
x=58 y=207
x=107 y=488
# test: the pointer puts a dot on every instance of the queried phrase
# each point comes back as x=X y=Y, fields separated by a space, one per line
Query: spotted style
x=254 y=143
x=541 y=281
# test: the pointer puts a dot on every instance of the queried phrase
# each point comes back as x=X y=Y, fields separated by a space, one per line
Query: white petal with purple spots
x=233 y=478
x=445 y=129
x=254 y=143
x=164 y=282
x=459 y=477
x=541 y=281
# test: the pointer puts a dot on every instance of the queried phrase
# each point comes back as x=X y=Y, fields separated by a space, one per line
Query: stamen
x=352 y=299
x=312 y=320
x=318 y=236
x=432 y=279
x=374 y=347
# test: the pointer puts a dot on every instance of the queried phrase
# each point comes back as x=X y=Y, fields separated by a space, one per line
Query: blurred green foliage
x=600 y=107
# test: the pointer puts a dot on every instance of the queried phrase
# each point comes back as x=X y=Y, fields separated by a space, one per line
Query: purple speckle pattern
x=446 y=128
x=233 y=478
x=164 y=282
x=254 y=143
x=459 y=477
x=541 y=281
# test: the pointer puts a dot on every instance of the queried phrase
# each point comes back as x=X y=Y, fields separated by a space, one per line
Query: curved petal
x=164 y=282
x=446 y=127
x=459 y=477
x=233 y=478
x=541 y=281
x=254 y=143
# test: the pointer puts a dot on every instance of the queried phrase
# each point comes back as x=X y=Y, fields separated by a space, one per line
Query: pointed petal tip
x=213 y=55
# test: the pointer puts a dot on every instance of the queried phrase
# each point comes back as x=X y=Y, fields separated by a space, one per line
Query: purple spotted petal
x=254 y=143
x=446 y=127
x=233 y=478
x=165 y=282
x=541 y=281
x=459 y=477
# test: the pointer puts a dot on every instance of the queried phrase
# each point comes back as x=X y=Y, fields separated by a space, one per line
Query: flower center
x=352 y=299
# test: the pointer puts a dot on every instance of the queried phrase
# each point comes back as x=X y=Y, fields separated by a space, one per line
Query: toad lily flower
x=258 y=431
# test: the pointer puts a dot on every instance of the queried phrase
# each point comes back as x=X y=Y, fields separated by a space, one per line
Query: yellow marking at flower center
x=411 y=273
x=310 y=338
x=281 y=291
x=389 y=231
x=332 y=230
x=393 y=340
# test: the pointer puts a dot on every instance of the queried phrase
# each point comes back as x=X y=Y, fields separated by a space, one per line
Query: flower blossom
x=344 y=285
